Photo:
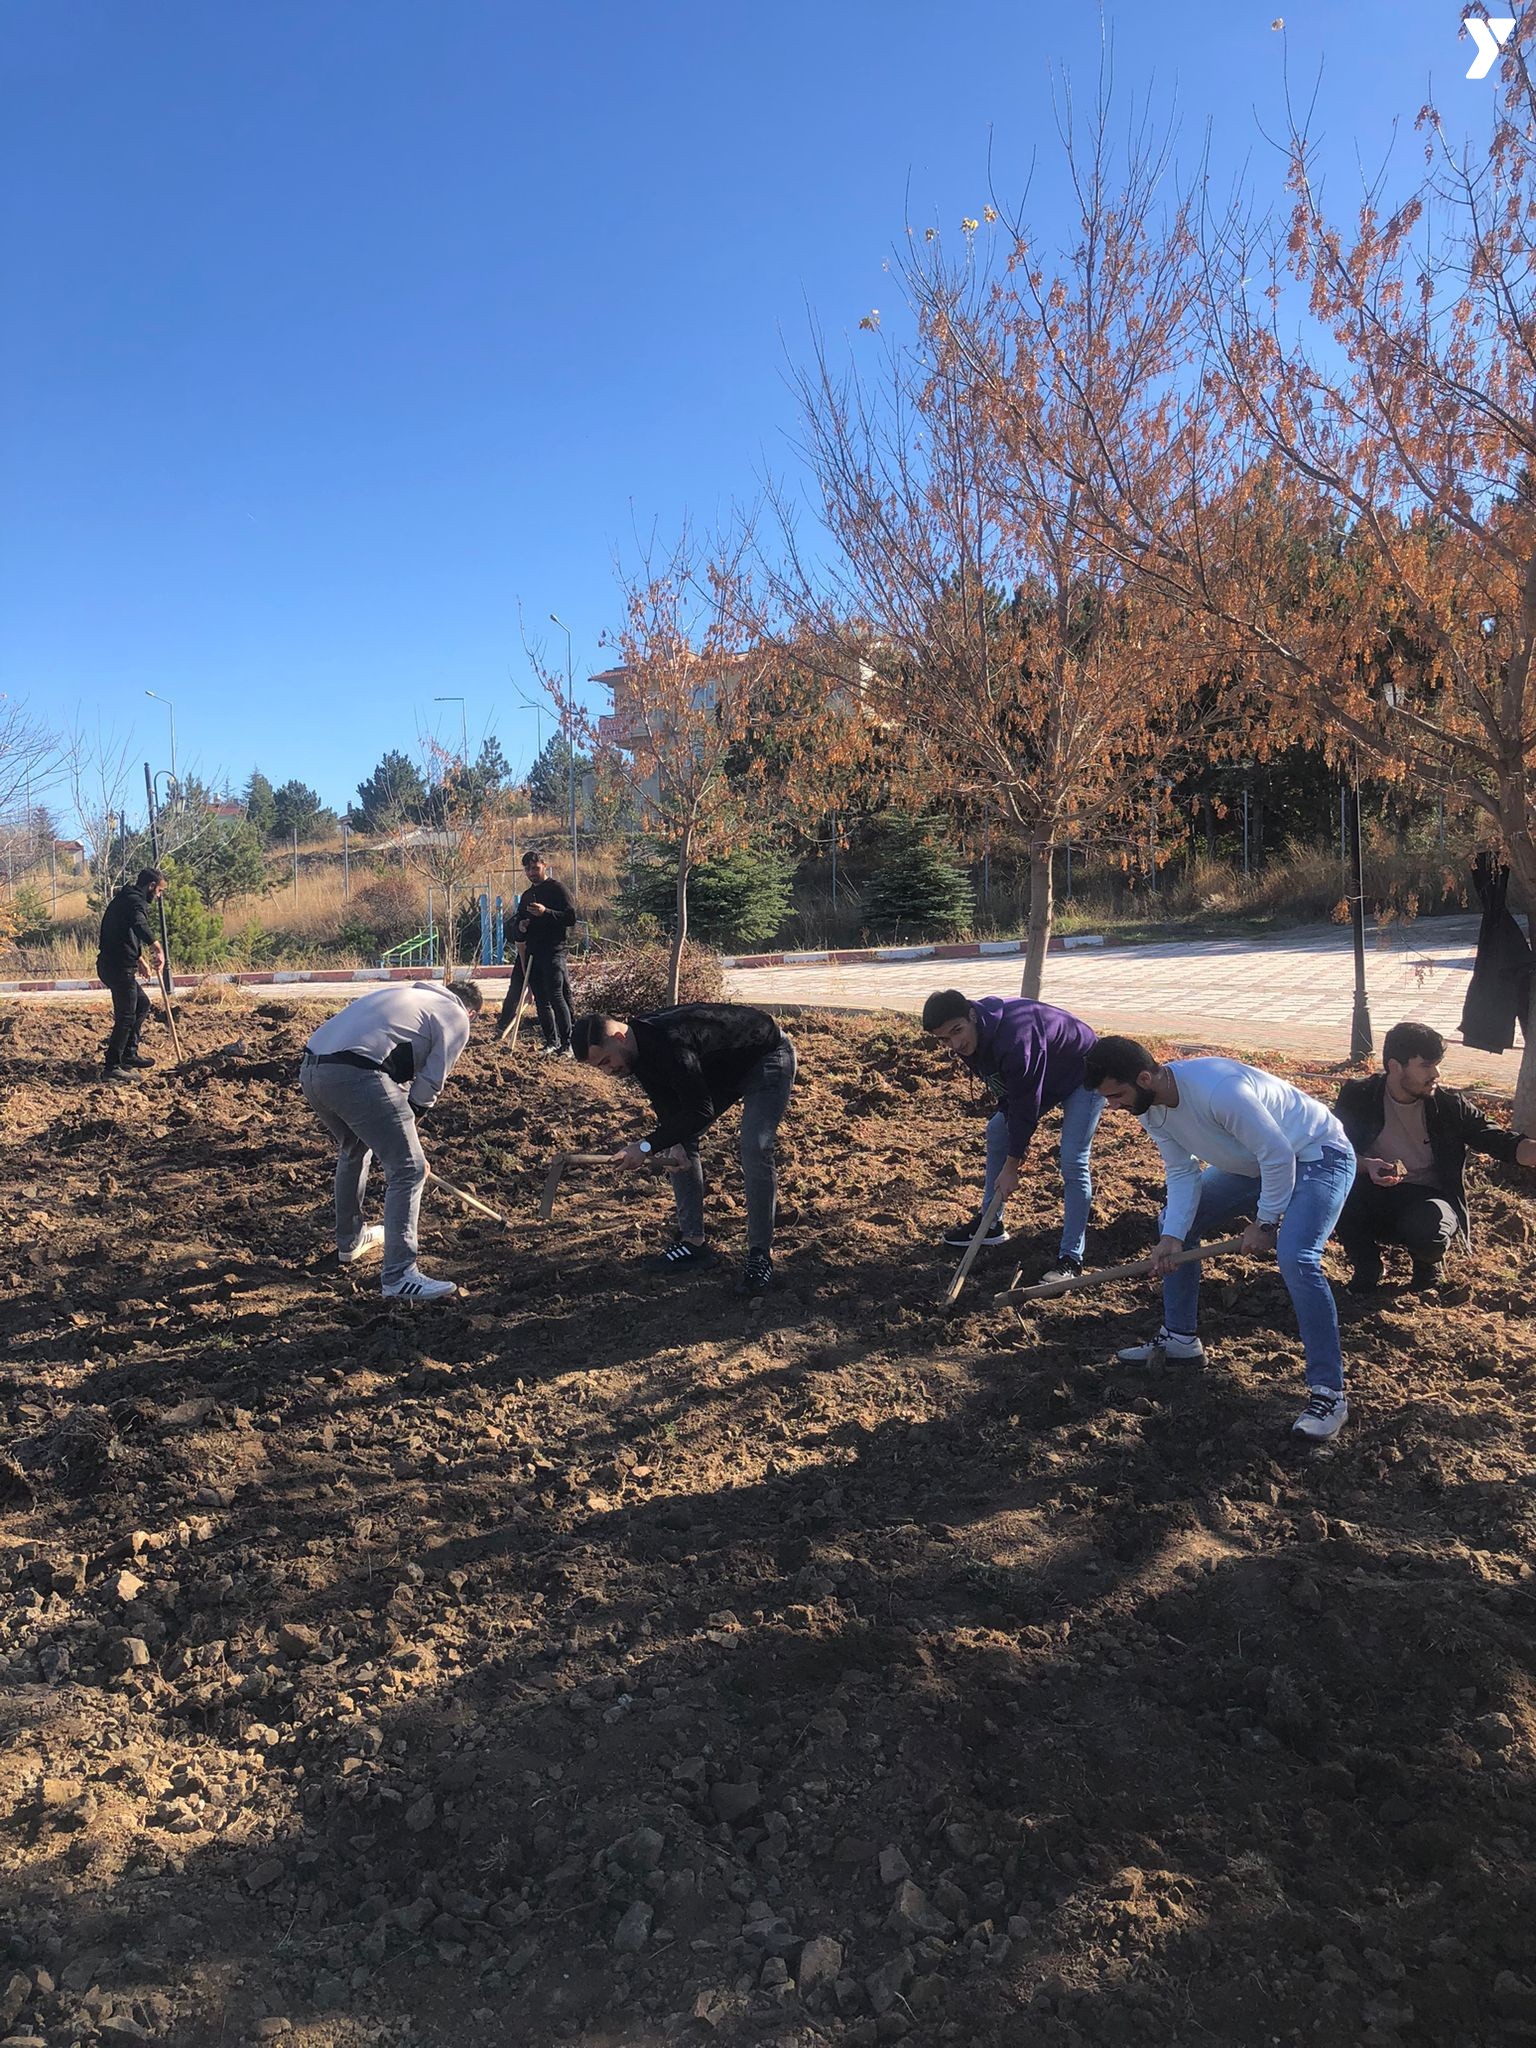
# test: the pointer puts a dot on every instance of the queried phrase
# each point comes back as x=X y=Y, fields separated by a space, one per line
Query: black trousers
x=1412 y=1216
x=549 y=976
x=130 y=1006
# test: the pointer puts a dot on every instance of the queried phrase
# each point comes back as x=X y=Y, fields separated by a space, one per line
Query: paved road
x=1293 y=993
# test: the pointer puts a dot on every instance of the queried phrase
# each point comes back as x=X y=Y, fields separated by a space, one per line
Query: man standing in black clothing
x=542 y=922
x=126 y=939
x=1411 y=1138
x=693 y=1063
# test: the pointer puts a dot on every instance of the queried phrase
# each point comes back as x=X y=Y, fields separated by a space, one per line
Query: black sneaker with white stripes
x=757 y=1274
x=683 y=1257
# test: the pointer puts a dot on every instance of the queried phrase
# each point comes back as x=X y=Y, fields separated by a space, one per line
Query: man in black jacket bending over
x=125 y=940
x=694 y=1062
x=1411 y=1139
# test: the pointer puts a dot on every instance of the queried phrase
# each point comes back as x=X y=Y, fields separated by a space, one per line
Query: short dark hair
x=1116 y=1059
x=534 y=853
x=470 y=995
x=943 y=1006
x=149 y=878
x=589 y=1031
x=1405 y=1042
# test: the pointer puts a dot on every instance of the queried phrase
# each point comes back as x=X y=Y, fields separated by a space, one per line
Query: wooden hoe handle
x=1134 y=1271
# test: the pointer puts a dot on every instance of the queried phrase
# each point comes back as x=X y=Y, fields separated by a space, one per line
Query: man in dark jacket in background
x=1411 y=1139
x=126 y=942
x=694 y=1062
x=1031 y=1058
x=542 y=923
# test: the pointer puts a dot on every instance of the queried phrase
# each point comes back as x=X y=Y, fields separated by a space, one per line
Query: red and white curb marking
x=975 y=949
x=865 y=956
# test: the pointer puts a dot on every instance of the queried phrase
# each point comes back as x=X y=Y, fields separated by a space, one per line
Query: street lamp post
x=570 y=747
x=171 y=708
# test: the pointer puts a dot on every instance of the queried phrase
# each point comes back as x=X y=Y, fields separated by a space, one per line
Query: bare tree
x=99 y=769
x=1048 y=687
x=1348 y=496
x=694 y=653
x=31 y=754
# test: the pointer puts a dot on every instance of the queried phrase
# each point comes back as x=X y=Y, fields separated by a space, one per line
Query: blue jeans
x=1322 y=1186
x=1080 y=1115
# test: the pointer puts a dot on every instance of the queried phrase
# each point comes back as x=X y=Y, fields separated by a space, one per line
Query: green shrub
x=917 y=889
x=196 y=933
x=736 y=902
x=30 y=921
x=255 y=946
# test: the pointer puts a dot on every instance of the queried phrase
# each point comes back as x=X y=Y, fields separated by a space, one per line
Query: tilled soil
x=597 y=1659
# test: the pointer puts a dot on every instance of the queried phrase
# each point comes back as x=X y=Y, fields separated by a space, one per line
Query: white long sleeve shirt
x=420 y=1014
x=1241 y=1120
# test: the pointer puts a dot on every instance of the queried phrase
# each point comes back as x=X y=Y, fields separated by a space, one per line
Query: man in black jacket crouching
x=1411 y=1138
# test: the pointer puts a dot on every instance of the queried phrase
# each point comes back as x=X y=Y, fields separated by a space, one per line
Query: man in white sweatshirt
x=1237 y=1141
x=365 y=1073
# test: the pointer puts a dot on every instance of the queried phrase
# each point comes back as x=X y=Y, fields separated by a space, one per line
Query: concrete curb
x=864 y=956
x=974 y=949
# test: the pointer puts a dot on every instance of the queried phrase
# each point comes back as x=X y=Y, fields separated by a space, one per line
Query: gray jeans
x=370 y=1117
x=763 y=1103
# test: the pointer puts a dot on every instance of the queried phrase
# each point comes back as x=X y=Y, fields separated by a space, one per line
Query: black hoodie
x=126 y=934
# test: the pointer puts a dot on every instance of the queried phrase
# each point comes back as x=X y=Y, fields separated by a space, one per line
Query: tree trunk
x=680 y=934
x=1042 y=909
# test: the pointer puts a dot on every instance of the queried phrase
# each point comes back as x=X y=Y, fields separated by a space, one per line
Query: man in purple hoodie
x=1031 y=1058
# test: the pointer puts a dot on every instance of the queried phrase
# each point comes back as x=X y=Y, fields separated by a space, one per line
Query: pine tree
x=549 y=779
x=395 y=792
x=737 y=901
x=260 y=807
x=918 y=890
x=298 y=809
x=196 y=933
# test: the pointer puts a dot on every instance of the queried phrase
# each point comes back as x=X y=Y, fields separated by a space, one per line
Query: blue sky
x=336 y=330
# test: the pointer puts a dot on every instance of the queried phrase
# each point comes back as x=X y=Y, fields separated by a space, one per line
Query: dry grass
x=314 y=922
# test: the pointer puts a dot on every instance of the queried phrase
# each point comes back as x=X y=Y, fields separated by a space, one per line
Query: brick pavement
x=1292 y=993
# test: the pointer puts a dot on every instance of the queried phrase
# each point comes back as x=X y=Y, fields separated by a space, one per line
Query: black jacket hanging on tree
x=1499 y=997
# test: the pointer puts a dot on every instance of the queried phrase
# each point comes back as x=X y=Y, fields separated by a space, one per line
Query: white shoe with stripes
x=415 y=1286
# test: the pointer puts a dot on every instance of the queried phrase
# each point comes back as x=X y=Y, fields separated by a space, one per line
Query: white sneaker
x=415 y=1286
x=371 y=1241
x=1324 y=1416
x=1165 y=1345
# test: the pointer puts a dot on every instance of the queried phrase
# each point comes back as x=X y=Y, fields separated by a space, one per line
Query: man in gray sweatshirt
x=366 y=1073
x=1237 y=1141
